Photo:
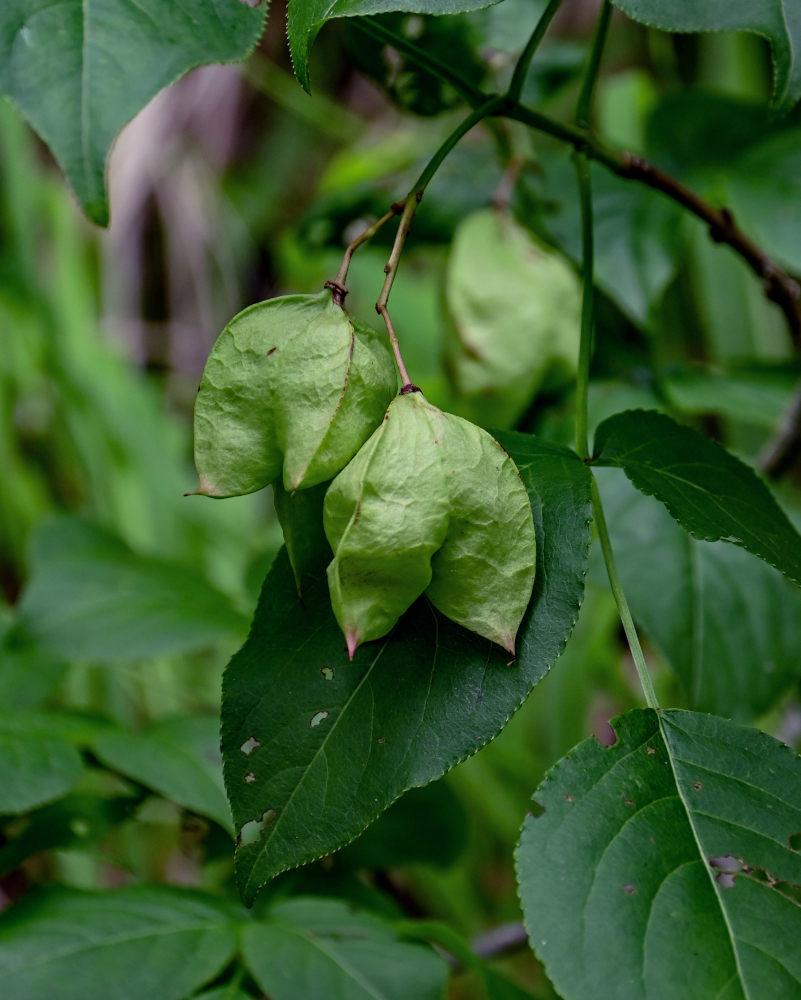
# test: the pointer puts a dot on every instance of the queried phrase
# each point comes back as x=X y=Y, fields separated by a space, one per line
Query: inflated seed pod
x=515 y=316
x=292 y=388
x=430 y=504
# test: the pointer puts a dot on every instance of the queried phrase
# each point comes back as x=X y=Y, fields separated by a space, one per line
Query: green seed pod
x=430 y=504
x=292 y=388
x=516 y=314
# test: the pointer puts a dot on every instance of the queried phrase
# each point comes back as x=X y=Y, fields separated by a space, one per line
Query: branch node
x=338 y=291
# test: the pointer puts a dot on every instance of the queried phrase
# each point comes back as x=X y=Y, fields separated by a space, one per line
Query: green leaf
x=668 y=865
x=36 y=764
x=179 y=758
x=300 y=515
x=712 y=494
x=130 y=944
x=637 y=231
x=320 y=948
x=316 y=747
x=777 y=20
x=515 y=309
x=726 y=623
x=306 y=17
x=90 y=598
x=80 y=69
x=431 y=504
x=293 y=387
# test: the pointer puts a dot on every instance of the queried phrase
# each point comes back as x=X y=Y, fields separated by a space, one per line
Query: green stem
x=524 y=62
x=620 y=599
x=584 y=103
x=410 y=204
x=582 y=166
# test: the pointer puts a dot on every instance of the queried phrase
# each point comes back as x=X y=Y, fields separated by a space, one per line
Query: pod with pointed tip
x=430 y=504
x=292 y=388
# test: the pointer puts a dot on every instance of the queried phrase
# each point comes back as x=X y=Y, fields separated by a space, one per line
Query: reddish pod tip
x=352 y=639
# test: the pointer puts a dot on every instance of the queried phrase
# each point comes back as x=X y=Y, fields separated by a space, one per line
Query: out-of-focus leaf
x=777 y=20
x=130 y=944
x=179 y=758
x=320 y=948
x=316 y=747
x=637 y=231
x=753 y=396
x=90 y=597
x=667 y=865
x=37 y=765
x=727 y=624
x=28 y=674
x=80 y=69
x=712 y=494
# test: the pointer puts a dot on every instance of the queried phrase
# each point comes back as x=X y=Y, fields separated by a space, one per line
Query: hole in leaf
x=697 y=786
x=249 y=778
x=250 y=744
x=253 y=830
x=317 y=718
x=650 y=750
x=327 y=672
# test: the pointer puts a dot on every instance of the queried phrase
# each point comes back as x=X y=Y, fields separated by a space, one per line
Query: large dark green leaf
x=179 y=758
x=321 y=948
x=78 y=70
x=306 y=17
x=130 y=944
x=668 y=865
x=90 y=598
x=728 y=624
x=315 y=747
x=707 y=490
x=777 y=20
x=37 y=765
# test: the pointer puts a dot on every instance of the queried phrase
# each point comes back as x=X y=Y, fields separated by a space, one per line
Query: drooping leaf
x=777 y=20
x=80 y=69
x=179 y=758
x=322 y=948
x=431 y=504
x=712 y=494
x=89 y=597
x=316 y=747
x=292 y=388
x=515 y=309
x=130 y=944
x=306 y=17
x=37 y=765
x=667 y=865
x=726 y=623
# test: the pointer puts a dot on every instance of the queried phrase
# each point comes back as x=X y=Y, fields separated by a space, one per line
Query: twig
x=499 y=940
x=524 y=62
x=337 y=285
x=778 y=286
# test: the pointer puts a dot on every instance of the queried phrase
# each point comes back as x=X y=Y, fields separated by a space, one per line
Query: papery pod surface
x=292 y=388
x=430 y=504
x=515 y=313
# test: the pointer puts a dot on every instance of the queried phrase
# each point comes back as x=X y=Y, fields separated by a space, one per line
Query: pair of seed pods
x=296 y=393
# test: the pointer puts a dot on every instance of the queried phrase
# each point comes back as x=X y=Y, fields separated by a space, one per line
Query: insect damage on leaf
x=430 y=504
x=292 y=388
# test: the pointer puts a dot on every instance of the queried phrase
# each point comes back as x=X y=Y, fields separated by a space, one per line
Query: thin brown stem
x=337 y=285
x=407 y=384
x=390 y=270
x=778 y=286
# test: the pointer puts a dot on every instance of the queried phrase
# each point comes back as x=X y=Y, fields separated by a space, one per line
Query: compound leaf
x=668 y=865
x=78 y=70
x=712 y=494
x=316 y=747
